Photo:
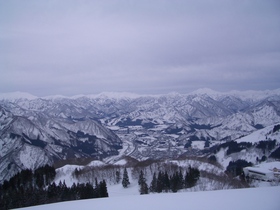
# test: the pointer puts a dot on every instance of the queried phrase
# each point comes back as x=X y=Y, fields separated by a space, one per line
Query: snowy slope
x=261 y=135
x=35 y=139
x=242 y=199
x=251 y=154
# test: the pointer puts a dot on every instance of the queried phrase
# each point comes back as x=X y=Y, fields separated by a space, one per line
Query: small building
x=265 y=171
x=258 y=173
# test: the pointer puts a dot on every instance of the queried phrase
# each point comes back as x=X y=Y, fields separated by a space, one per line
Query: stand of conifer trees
x=166 y=183
x=29 y=188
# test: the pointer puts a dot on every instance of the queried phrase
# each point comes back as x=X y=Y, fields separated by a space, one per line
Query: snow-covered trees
x=142 y=184
x=153 y=186
x=118 y=177
x=29 y=188
x=191 y=177
x=235 y=168
x=175 y=181
x=125 y=180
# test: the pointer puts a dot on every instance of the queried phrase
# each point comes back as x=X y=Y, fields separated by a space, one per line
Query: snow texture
x=241 y=199
x=261 y=135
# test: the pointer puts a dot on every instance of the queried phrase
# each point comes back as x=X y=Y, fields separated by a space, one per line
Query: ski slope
x=242 y=199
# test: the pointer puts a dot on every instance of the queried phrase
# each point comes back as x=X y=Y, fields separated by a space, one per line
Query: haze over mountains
x=40 y=130
x=249 y=94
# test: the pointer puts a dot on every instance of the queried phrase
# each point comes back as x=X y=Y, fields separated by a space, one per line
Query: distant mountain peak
x=208 y=92
x=255 y=94
x=115 y=95
x=205 y=90
x=17 y=95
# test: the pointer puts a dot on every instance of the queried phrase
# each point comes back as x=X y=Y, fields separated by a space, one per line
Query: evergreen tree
x=144 y=188
x=74 y=192
x=103 y=189
x=174 y=182
x=153 y=185
x=180 y=180
x=191 y=177
x=142 y=183
x=118 y=177
x=177 y=181
x=85 y=191
x=26 y=178
x=96 y=189
x=207 y=144
x=52 y=192
x=160 y=182
x=49 y=173
x=64 y=192
x=166 y=182
x=125 y=180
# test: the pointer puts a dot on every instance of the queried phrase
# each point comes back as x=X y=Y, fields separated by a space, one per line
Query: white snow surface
x=121 y=162
x=261 y=135
x=96 y=163
x=269 y=165
x=252 y=198
x=65 y=174
x=198 y=144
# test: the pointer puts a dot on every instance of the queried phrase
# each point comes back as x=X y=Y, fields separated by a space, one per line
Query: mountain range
x=35 y=131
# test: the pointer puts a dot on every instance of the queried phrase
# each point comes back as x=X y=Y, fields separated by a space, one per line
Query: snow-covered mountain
x=256 y=147
x=31 y=138
x=39 y=130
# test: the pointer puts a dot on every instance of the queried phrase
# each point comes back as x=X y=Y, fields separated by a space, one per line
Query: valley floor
x=242 y=199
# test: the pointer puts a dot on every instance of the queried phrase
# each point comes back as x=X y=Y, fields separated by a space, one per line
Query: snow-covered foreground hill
x=253 y=198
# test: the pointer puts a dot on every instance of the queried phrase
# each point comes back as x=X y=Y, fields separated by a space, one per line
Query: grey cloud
x=70 y=47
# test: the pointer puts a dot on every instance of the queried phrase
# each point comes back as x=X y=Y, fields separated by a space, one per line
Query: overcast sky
x=74 y=47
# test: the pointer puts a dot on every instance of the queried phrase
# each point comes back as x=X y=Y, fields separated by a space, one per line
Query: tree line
x=163 y=182
x=29 y=188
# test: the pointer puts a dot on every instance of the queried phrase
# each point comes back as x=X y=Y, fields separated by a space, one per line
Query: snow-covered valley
x=111 y=125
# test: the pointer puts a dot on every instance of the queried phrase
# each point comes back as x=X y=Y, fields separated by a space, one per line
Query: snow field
x=242 y=199
x=212 y=177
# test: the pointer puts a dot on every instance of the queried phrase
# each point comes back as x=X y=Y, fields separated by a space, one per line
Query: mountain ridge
x=154 y=127
x=200 y=91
